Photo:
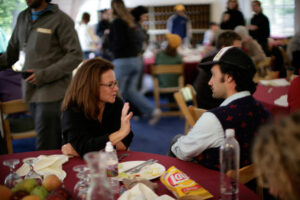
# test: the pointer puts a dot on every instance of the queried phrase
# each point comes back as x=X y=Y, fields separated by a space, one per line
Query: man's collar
x=234 y=97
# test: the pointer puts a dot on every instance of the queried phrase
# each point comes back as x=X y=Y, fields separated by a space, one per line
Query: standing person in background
x=140 y=14
x=259 y=27
x=180 y=24
x=46 y=39
x=276 y=157
x=232 y=17
x=128 y=64
x=87 y=38
x=103 y=25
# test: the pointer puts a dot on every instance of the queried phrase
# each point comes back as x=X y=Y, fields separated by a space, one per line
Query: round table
x=207 y=178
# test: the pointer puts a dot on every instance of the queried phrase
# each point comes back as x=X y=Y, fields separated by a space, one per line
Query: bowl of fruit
x=30 y=189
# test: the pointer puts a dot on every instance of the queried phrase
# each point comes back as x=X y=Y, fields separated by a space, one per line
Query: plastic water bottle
x=112 y=168
x=229 y=167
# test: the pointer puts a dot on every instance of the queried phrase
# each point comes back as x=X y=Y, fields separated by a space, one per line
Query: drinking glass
x=32 y=174
x=83 y=183
x=12 y=178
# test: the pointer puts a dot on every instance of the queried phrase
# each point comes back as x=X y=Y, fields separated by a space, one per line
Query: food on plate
x=52 y=182
x=181 y=185
x=18 y=195
x=5 y=192
x=147 y=172
x=25 y=185
x=31 y=197
x=40 y=191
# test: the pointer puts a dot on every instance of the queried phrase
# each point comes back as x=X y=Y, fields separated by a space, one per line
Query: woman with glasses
x=92 y=113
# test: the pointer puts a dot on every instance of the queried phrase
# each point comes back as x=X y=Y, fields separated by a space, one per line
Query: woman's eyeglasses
x=110 y=85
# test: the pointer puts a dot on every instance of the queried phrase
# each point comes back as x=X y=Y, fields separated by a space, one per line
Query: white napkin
x=275 y=82
x=282 y=101
x=46 y=165
x=142 y=192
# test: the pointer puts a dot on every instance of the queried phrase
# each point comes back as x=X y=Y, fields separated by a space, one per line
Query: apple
x=5 y=192
x=52 y=182
x=40 y=191
x=26 y=185
x=31 y=197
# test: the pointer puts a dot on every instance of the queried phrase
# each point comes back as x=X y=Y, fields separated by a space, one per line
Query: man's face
x=256 y=7
x=217 y=83
x=34 y=3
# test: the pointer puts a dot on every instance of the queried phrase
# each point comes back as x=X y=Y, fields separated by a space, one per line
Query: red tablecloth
x=267 y=95
x=190 y=69
x=209 y=179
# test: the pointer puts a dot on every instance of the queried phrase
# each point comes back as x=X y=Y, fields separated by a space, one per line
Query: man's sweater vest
x=244 y=115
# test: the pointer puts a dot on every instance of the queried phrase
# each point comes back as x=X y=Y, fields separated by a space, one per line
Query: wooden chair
x=166 y=69
x=12 y=107
x=182 y=97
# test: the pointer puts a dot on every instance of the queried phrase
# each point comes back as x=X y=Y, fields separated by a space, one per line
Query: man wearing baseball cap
x=232 y=74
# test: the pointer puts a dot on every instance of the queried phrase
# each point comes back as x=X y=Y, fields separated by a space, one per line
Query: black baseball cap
x=233 y=56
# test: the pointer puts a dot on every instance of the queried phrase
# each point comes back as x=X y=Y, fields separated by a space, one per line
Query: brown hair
x=83 y=91
x=119 y=10
x=227 y=38
x=276 y=155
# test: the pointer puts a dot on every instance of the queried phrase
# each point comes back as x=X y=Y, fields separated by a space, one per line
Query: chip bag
x=181 y=185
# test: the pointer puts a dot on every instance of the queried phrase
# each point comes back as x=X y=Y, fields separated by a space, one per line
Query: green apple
x=26 y=185
x=40 y=191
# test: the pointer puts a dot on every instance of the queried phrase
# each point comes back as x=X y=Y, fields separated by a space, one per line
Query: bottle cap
x=109 y=147
x=229 y=133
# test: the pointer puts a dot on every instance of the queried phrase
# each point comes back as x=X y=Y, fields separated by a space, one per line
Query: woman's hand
x=68 y=149
x=125 y=119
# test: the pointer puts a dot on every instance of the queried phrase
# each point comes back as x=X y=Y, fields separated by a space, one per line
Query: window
x=281 y=16
x=9 y=10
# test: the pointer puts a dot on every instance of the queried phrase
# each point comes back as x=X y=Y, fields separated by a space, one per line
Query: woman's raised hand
x=125 y=119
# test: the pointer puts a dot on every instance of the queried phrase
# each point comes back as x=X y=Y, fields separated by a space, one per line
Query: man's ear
x=228 y=78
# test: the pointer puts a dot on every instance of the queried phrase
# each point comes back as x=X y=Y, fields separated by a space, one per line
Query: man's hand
x=68 y=149
x=31 y=79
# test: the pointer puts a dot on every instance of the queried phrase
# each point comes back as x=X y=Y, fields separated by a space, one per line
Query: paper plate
x=148 y=172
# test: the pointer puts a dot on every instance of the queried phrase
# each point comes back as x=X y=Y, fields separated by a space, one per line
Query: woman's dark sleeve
x=81 y=133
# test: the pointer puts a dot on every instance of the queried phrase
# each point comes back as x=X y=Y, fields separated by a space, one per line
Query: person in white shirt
x=87 y=37
x=232 y=74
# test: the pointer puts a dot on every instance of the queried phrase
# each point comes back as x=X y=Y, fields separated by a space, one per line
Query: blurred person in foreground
x=232 y=80
x=128 y=65
x=180 y=24
x=204 y=96
x=92 y=113
x=45 y=38
x=276 y=157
